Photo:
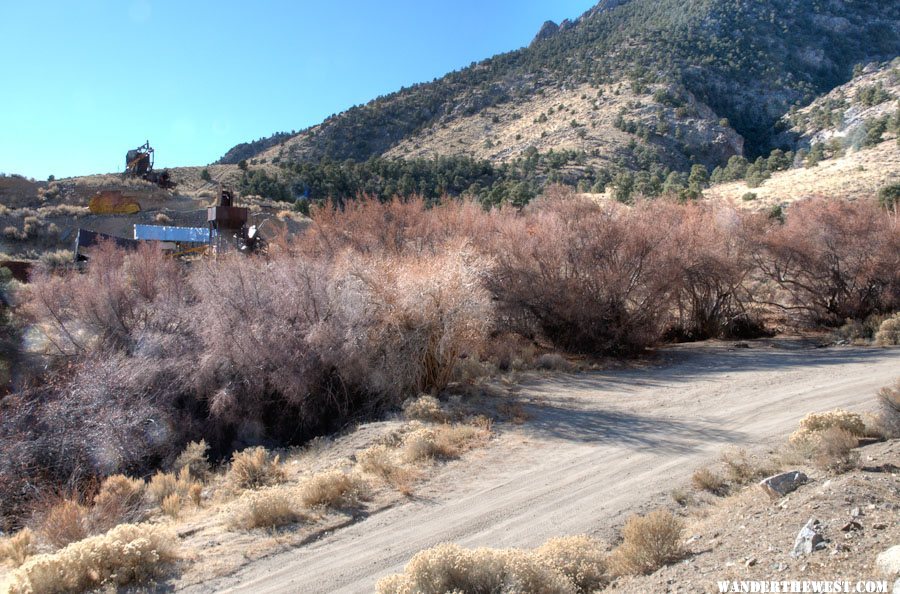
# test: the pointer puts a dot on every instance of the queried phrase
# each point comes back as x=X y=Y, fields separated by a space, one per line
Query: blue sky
x=85 y=81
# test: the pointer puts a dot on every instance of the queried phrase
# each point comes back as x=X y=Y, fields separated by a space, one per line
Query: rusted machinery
x=139 y=163
x=228 y=225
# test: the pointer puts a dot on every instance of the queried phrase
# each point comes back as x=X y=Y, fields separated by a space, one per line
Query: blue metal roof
x=179 y=234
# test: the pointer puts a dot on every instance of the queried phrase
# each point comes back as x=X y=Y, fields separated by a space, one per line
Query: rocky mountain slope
x=676 y=76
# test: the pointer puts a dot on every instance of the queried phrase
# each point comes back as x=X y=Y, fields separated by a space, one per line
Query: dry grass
x=194 y=459
x=650 y=542
x=741 y=469
x=119 y=500
x=18 y=547
x=381 y=461
x=65 y=522
x=254 y=468
x=127 y=554
x=333 y=488
x=710 y=481
x=195 y=494
x=171 y=505
x=425 y=408
x=164 y=484
x=267 y=508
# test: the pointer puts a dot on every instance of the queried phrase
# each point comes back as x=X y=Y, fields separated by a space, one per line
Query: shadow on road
x=691 y=363
x=551 y=421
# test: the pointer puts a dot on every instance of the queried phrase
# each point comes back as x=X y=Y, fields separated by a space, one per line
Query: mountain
x=629 y=84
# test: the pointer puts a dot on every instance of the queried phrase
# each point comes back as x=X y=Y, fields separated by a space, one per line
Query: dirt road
x=598 y=447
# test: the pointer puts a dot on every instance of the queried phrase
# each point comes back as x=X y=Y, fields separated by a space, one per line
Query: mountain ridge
x=747 y=61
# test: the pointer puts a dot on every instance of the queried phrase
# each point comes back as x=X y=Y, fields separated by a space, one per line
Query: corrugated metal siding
x=179 y=234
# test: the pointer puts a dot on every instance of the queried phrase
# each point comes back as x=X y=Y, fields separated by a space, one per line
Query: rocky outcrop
x=780 y=485
x=548 y=30
x=809 y=539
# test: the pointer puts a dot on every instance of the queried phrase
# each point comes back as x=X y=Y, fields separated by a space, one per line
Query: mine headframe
x=139 y=163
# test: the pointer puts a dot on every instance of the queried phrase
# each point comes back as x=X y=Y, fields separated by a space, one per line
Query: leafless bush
x=592 y=278
x=65 y=522
x=835 y=450
x=705 y=479
x=833 y=260
x=742 y=470
x=110 y=305
x=649 y=542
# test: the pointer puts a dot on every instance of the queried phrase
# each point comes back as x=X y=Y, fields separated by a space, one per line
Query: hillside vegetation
x=747 y=61
x=378 y=302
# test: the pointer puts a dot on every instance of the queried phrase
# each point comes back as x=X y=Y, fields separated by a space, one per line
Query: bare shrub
x=193 y=457
x=580 y=558
x=333 y=488
x=119 y=500
x=63 y=523
x=682 y=497
x=424 y=408
x=254 y=468
x=649 y=542
x=162 y=218
x=18 y=547
x=267 y=508
x=833 y=260
x=590 y=277
x=326 y=338
x=834 y=450
x=889 y=332
x=709 y=249
x=106 y=307
x=127 y=554
x=707 y=480
x=889 y=411
x=741 y=469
